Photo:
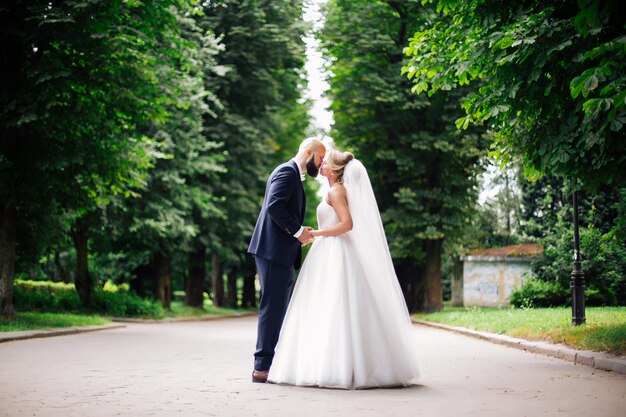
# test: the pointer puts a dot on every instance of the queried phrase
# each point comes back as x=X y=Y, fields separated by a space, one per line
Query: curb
x=34 y=334
x=597 y=360
x=207 y=317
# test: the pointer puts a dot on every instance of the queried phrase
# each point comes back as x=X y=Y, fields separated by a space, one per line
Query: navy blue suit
x=277 y=254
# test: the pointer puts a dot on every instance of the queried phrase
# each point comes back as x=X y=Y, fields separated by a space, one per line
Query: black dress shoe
x=259 y=376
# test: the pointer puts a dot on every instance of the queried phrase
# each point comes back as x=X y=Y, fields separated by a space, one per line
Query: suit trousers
x=276 y=284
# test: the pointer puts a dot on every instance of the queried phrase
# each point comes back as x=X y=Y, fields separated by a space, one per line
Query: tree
x=164 y=222
x=541 y=202
x=262 y=118
x=551 y=87
x=548 y=78
x=423 y=171
x=78 y=80
x=603 y=240
x=506 y=204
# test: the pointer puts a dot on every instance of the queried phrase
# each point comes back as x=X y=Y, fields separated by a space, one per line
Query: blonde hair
x=337 y=161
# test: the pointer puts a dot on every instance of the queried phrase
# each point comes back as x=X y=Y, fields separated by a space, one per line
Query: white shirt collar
x=302 y=177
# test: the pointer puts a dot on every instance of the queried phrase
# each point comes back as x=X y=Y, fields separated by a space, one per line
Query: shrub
x=603 y=262
x=125 y=304
x=538 y=293
x=595 y=297
x=110 y=286
x=45 y=296
x=54 y=297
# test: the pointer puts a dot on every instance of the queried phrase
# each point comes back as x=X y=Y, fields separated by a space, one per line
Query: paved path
x=203 y=369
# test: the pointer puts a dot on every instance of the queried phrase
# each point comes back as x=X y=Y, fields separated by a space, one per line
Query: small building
x=487 y=277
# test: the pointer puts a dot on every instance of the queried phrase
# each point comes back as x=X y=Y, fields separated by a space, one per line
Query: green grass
x=110 y=301
x=38 y=321
x=45 y=304
x=605 y=329
x=178 y=309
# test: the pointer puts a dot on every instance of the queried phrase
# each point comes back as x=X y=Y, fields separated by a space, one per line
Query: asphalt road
x=203 y=369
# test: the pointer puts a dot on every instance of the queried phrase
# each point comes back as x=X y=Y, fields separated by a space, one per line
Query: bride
x=347 y=325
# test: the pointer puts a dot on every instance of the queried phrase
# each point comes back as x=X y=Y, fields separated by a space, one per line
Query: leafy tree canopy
x=547 y=77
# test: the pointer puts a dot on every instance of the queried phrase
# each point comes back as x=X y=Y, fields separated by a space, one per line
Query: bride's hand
x=315 y=234
x=303 y=244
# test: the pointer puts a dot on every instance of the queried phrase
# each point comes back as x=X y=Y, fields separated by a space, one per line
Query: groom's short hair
x=310 y=143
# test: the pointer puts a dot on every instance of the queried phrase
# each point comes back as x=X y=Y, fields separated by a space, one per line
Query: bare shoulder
x=337 y=192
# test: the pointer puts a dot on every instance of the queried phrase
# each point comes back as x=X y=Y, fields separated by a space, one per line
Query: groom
x=277 y=246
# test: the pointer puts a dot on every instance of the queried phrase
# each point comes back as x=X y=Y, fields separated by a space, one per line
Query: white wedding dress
x=345 y=327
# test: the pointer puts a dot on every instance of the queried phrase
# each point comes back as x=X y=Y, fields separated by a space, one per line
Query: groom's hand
x=306 y=236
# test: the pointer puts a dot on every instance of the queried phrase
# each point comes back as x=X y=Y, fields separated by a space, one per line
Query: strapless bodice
x=326 y=216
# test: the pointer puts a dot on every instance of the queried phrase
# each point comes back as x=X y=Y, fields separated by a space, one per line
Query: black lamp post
x=578 y=276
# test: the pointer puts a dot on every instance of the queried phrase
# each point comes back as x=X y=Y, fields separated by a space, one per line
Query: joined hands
x=307 y=236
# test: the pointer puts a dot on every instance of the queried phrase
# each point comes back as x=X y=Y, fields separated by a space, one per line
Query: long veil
x=368 y=238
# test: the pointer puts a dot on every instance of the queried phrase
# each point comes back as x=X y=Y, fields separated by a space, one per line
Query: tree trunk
x=82 y=280
x=194 y=286
x=248 y=298
x=218 y=281
x=60 y=274
x=232 y=288
x=143 y=274
x=162 y=288
x=433 y=295
x=7 y=261
x=410 y=280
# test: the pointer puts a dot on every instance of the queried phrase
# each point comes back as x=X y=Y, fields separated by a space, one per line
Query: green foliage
x=541 y=202
x=422 y=168
x=603 y=262
x=262 y=119
x=184 y=107
x=125 y=304
x=496 y=221
x=545 y=217
x=52 y=297
x=424 y=174
x=85 y=129
x=538 y=293
x=179 y=309
x=605 y=272
x=45 y=296
x=179 y=190
x=548 y=80
x=82 y=84
x=487 y=230
x=42 y=298
x=602 y=244
x=605 y=329
x=33 y=321
x=547 y=77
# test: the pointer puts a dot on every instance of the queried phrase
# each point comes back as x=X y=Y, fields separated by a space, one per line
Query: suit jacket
x=282 y=215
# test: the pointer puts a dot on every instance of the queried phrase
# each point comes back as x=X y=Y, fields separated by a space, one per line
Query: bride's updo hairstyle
x=337 y=161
